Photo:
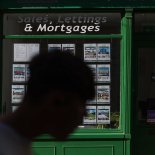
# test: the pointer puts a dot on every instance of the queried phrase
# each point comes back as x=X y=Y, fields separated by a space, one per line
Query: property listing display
x=24 y=52
x=21 y=72
x=22 y=55
x=18 y=92
x=97 y=52
x=62 y=47
x=103 y=109
x=98 y=57
x=97 y=115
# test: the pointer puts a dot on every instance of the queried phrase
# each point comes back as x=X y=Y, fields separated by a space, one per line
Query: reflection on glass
x=146 y=84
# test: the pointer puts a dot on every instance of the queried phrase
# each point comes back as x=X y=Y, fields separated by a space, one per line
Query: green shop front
x=116 y=40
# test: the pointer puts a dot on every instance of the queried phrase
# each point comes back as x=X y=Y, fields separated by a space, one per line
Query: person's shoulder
x=11 y=143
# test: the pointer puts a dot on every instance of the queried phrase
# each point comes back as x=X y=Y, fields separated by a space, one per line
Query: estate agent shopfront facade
x=116 y=40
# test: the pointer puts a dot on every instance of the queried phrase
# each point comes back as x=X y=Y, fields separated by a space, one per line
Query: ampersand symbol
x=28 y=28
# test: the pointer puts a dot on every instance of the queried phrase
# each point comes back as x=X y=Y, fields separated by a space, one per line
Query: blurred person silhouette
x=57 y=91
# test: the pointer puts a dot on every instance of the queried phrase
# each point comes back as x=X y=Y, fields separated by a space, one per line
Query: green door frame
x=140 y=41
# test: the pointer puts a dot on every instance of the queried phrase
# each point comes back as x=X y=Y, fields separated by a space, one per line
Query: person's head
x=59 y=86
